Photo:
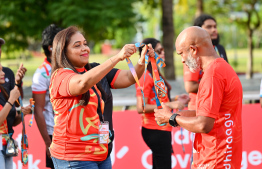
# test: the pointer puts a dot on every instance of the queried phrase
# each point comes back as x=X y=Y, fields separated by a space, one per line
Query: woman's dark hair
x=199 y=21
x=48 y=36
x=153 y=42
x=60 y=59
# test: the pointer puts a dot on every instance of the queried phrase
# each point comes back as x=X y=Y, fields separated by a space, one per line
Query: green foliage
x=22 y=21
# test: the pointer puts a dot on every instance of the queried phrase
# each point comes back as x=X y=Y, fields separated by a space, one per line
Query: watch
x=172 y=120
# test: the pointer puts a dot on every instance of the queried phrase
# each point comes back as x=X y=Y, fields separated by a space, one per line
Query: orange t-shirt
x=219 y=97
x=196 y=77
x=3 y=128
x=148 y=119
x=76 y=126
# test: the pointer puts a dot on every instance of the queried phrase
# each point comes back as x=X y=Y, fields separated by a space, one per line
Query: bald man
x=217 y=118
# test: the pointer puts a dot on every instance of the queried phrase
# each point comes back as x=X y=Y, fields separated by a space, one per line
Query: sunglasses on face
x=159 y=51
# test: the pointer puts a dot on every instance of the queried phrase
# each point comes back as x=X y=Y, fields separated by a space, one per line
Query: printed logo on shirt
x=6 y=80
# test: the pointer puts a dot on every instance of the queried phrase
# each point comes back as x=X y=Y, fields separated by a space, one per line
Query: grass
x=242 y=54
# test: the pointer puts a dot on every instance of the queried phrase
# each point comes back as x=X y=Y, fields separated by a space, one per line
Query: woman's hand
x=175 y=105
x=150 y=52
x=26 y=110
x=126 y=51
x=14 y=95
x=183 y=98
x=20 y=74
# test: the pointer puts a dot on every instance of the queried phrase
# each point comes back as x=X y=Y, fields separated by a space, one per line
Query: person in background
x=44 y=114
x=217 y=119
x=157 y=138
x=9 y=117
x=192 y=80
x=78 y=94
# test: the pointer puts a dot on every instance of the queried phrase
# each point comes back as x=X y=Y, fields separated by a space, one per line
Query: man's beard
x=193 y=64
x=215 y=41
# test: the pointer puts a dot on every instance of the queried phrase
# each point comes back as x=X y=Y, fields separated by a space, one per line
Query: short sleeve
x=40 y=83
x=190 y=76
x=209 y=97
x=60 y=83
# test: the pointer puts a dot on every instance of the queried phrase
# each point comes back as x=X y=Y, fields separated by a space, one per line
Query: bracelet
x=10 y=103
x=140 y=63
x=18 y=85
x=111 y=61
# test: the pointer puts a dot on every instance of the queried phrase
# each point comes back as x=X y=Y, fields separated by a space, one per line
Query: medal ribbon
x=24 y=141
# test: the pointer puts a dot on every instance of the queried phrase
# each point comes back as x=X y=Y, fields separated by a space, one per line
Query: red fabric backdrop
x=131 y=152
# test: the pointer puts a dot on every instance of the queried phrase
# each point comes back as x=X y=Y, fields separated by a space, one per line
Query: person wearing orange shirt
x=158 y=138
x=191 y=80
x=78 y=96
x=217 y=119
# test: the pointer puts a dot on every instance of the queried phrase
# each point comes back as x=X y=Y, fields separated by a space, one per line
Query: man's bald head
x=193 y=35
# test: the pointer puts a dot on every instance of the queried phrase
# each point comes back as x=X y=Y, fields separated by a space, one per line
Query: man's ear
x=193 y=49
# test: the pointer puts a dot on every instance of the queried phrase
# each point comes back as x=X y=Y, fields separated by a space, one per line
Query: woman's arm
x=80 y=84
x=14 y=94
x=149 y=107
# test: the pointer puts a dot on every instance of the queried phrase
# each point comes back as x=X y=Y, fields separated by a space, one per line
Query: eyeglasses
x=159 y=51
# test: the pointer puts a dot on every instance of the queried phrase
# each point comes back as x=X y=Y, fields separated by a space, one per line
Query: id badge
x=1 y=144
x=103 y=133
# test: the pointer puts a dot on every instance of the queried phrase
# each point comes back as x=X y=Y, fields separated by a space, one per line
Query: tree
x=251 y=21
x=168 y=37
x=24 y=21
x=200 y=8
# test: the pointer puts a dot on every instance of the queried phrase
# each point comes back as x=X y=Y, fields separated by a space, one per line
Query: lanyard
x=32 y=102
x=160 y=88
x=24 y=141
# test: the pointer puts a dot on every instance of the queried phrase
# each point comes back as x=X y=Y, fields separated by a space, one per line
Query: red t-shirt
x=196 y=77
x=148 y=119
x=219 y=97
x=76 y=127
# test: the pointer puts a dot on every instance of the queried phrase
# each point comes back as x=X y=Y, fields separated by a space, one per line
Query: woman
x=8 y=116
x=78 y=92
x=157 y=138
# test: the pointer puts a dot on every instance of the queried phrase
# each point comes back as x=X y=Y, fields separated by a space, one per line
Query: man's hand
x=162 y=115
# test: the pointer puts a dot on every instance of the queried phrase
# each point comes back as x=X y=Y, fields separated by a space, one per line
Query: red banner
x=130 y=151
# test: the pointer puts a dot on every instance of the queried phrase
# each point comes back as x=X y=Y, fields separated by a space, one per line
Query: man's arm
x=261 y=101
x=191 y=86
x=190 y=122
x=39 y=117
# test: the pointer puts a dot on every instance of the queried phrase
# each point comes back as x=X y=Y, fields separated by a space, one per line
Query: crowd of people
x=74 y=105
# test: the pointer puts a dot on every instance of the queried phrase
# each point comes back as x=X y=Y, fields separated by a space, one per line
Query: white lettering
x=183 y=163
x=229 y=123
x=255 y=157
x=229 y=140
x=182 y=137
x=229 y=115
x=244 y=160
x=228 y=132
x=227 y=166
x=144 y=159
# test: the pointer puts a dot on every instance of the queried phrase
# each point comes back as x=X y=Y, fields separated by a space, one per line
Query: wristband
x=19 y=85
x=10 y=103
x=172 y=120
